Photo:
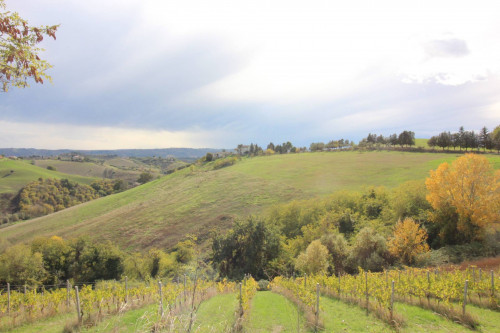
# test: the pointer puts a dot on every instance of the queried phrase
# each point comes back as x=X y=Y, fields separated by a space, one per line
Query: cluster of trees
x=372 y=229
x=284 y=148
x=45 y=196
x=332 y=144
x=52 y=261
x=405 y=138
x=467 y=139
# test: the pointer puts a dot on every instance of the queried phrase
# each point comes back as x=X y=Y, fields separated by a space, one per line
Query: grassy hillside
x=117 y=168
x=14 y=174
x=160 y=213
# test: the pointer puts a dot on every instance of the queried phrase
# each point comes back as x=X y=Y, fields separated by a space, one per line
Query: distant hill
x=14 y=174
x=162 y=212
x=180 y=153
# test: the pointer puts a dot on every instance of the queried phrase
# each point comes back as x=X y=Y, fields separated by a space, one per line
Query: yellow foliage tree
x=409 y=239
x=469 y=188
x=314 y=260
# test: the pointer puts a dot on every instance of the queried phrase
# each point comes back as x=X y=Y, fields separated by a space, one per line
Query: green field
x=14 y=174
x=162 y=212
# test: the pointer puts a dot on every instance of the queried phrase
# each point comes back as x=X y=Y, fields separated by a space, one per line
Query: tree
x=19 y=54
x=19 y=265
x=495 y=138
x=314 y=260
x=247 y=249
x=144 y=178
x=369 y=252
x=337 y=248
x=408 y=241
x=467 y=193
x=484 y=139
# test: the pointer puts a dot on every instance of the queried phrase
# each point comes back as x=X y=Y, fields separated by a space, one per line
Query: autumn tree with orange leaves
x=408 y=241
x=19 y=60
x=465 y=197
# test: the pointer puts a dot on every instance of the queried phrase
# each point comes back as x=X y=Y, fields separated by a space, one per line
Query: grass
x=271 y=312
x=216 y=314
x=47 y=325
x=338 y=316
x=421 y=320
x=136 y=320
x=14 y=174
x=162 y=212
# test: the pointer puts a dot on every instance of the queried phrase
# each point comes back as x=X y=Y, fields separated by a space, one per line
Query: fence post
x=185 y=291
x=492 y=283
x=366 y=286
x=465 y=296
x=317 y=307
x=161 y=299
x=392 y=299
x=126 y=289
x=78 y=310
x=241 y=302
x=67 y=293
x=8 y=298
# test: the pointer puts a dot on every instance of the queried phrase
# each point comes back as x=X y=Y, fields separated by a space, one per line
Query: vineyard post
x=185 y=292
x=366 y=288
x=480 y=274
x=465 y=296
x=492 y=283
x=241 y=302
x=428 y=286
x=126 y=289
x=317 y=307
x=392 y=299
x=339 y=284
x=386 y=278
x=399 y=276
x=305 y=280
x=78 y=310
x=24 y=291
x=161 y=299
x=473 y=276
x=67 y=293
x=8 y=298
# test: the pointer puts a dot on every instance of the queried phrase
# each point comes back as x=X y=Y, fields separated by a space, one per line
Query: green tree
x=369 y=252
x=248 y=248
x=314 y=260
x=338 y=249
x=144 y=178
x=19 y=265
x=19 y=53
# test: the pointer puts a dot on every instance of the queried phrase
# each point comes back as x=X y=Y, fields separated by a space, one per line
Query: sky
x=159 y=74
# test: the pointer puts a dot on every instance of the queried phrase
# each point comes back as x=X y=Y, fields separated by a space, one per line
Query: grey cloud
x=452 y=47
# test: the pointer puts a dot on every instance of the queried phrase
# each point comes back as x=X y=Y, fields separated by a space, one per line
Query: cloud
x=452 y=47
x=257 y=71
x=61 y=136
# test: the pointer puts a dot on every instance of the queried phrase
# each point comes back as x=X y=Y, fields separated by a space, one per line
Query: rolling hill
x=162 y=212
x=14 y=174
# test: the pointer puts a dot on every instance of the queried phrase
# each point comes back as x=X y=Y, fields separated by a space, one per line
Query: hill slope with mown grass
x=162 y=212
x=14 y=174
